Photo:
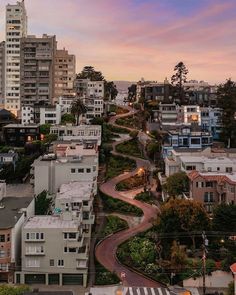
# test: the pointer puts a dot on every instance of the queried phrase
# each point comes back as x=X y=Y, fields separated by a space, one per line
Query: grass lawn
x=117 y=129
x=131 y=148
x=114 y=205
x=117 y=165
x=131 y=183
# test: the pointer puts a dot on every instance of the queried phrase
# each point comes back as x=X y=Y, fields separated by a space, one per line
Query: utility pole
x=205 y=243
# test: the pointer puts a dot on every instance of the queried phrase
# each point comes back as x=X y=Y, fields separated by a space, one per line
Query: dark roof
x=4 y=112
x=49 y=293
x=9 y=210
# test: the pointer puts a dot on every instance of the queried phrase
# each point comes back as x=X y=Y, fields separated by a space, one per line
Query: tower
x=16 y=28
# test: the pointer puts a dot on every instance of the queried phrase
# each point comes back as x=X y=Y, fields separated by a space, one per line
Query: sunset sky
x=130 y=39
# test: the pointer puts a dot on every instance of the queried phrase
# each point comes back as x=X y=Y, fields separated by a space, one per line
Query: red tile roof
x=218 y=178
x=233 y=268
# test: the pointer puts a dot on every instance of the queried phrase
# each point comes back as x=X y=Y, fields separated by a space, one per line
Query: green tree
x=224 y=218
x=49 y=138
x=44 y=129
x=67 y=118
x=178 y=257
x=78 y=108
x=142 y=251
x=153 y=149
x=132 y=92
x=110 y=90
x=178 y=79
x=89 y=72
x=180 y=215
x=176 y=184
x=42 y=204
x=13 y=290
x=226 y=96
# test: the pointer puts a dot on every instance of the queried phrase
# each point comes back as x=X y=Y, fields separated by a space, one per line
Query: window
x=32 y=263
x=88 y=170
x=70 y=236
x=218 y=168
x=228 y=169
x=195 y=141
x=34 y=236
x=81 y=170
x=60 y=263
x=72 y=170
x=2 y=253
x=190 y=168
x=72 y=250
x=2 y=238
x=208 y=197
x=8 y=237
x=209 y=169
x=209 y=184
x=65 y=249
x=51 y=262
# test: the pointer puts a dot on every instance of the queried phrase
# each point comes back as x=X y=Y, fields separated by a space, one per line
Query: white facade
x=27 y=115
x=65 y=103
x=95 y=109
x=95 y=89
x=80 y=132
x=69 y=162
x=16 y=27
x=69 y=228
x=50 y=114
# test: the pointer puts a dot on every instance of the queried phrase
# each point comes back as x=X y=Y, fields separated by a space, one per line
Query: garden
x=117 y=165
x=117 y=109
x=136 y=121
x=172 y=249
x=115 y=205
x=133 y=182
x=131 y=147
x=113 y=224
x=146 y=197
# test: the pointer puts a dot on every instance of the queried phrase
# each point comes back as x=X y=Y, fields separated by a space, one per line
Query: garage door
x=72 y=279
x=53 y=279
x=35 y=279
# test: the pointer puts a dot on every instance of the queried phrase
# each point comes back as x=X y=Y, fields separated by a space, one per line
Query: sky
x=130 y=39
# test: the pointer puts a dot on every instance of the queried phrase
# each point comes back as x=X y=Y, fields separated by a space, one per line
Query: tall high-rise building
x=2 y=73
x=16 y=28
x=64 y=73
x=37 y=69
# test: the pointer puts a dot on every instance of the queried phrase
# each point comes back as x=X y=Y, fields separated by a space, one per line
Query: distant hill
x=123 y=85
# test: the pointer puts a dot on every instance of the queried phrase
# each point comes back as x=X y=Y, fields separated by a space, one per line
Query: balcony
x=82 y=264
x=35 y=254
x=89 y=220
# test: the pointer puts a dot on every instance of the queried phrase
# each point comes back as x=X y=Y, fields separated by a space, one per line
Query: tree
x=226 y=95
x=180 y=215
x=153 y=148
x=132 y=92
x=179 y=77
x=176 y=184
x=178 y=257
x=44 y=129
x=110 y=90
x=89 y=72
x=78 y=108
x=67 y=118
x=224 y=218
x=42 y=204
x=49 y=138
x=142 y=250
x=13 y=290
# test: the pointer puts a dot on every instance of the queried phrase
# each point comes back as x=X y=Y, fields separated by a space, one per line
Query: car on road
x=112 y=114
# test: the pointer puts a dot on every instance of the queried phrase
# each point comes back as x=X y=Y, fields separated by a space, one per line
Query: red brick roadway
x=106 y=251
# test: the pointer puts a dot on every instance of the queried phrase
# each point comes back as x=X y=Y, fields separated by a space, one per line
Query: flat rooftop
x=78 y=191
x=210 y=159
x=21 y=126
x=10 y=210
x=50 y=221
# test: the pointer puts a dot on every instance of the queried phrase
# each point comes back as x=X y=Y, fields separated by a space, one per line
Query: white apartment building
x=95 y=109
x=69 y=228
x=69 y=162
x=50 y=114
x=65 y=102
x=27 y=114
x=16 y=28
x=203 y=161
x=88 y=88
x=2 y=73
x=78 y=133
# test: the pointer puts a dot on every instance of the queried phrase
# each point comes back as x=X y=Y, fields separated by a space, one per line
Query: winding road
x=106 y=251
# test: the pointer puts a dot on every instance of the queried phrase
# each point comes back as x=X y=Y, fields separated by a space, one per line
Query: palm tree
x=78 y=108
